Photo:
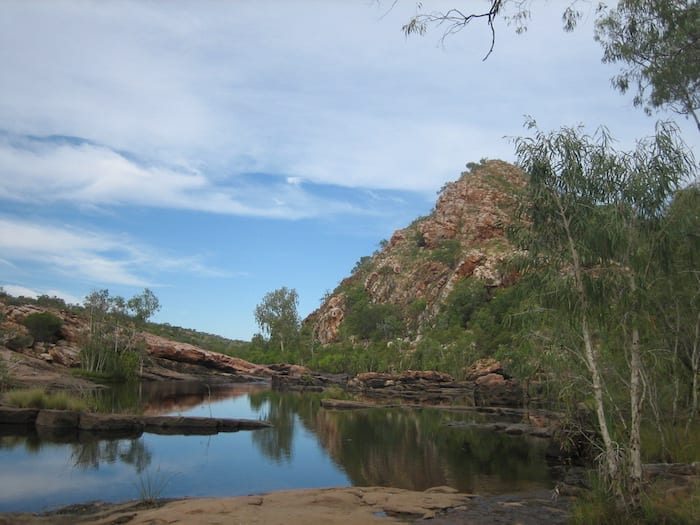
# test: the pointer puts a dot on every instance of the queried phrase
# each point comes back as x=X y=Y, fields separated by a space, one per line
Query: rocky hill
x=420 y=265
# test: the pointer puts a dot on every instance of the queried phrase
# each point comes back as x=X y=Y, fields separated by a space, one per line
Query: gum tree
x=277 y=316
x=594 y=227
x=657 y=43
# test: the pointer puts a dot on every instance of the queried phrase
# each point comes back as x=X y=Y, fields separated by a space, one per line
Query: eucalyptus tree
x=658 y=44
x=677 y=299
x=593 y=227
x=277 y=316
x=113 y=344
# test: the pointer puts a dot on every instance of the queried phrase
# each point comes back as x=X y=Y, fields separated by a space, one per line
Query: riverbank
x=333 y=506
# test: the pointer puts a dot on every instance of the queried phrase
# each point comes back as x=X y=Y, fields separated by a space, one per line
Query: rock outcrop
x=162 y=348
x=463 y=237
x=412 y=386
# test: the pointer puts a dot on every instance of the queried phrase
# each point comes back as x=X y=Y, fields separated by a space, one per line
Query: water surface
x=307 y=447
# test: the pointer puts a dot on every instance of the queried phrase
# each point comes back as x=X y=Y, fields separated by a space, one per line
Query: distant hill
x=206 y=341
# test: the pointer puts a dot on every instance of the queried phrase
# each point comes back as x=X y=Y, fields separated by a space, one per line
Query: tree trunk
x=636 y=400
x=611 y=462
x=591 y=359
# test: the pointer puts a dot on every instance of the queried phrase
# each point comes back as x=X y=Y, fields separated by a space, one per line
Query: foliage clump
x=113 y=348
x=43 y=326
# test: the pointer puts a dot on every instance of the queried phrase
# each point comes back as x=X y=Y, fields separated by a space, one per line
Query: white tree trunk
x=636 y=400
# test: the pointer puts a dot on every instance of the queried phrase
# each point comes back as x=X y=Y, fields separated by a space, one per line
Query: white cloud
x=18 y=290
x=55 y=172
x=329 y=92
x=89 y=255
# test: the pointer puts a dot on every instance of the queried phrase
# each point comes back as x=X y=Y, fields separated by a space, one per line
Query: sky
x=214 y=151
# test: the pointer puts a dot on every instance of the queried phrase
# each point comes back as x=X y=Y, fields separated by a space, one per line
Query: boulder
x=496 y=390
x=483 y=367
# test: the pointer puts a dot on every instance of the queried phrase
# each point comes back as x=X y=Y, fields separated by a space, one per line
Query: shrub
x=467 y=296
x=43 y=326
x=448 y=252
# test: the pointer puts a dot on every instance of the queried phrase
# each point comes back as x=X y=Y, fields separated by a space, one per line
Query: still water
x=307 y=447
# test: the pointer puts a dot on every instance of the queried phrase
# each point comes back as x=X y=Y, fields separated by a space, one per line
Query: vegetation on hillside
x=207 y=341
x=112 y=347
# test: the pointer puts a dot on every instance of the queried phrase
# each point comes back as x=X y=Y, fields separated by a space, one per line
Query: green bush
x=448 y=252
x=468 y=296
x=43 y=326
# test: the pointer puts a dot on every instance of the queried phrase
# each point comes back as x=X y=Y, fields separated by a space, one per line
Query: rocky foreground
x=334 y=506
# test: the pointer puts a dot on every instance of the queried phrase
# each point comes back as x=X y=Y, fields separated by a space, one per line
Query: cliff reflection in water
x=166 y=397
x=405 y=448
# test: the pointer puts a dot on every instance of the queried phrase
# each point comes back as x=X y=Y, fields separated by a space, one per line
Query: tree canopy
x=277 y=316
x=656 y=43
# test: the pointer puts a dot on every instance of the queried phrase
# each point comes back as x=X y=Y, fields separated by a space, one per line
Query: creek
x=307 y=447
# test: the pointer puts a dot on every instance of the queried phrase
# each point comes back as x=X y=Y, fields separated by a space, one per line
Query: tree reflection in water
x=92 y=453
x=405 y=448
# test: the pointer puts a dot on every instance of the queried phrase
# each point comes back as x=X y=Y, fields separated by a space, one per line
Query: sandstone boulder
x=483 y=367
x=496 y=390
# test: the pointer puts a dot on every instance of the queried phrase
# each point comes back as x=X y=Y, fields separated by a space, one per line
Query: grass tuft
x=151 y=485
x=40 y=398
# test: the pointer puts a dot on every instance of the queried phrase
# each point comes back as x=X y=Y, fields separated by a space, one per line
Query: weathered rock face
x=463 y=237
x=413 y=385
x=302 y=379
x=329 y=318
x=186 y=353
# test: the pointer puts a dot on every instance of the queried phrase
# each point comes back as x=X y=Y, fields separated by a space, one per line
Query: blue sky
x=215 y=151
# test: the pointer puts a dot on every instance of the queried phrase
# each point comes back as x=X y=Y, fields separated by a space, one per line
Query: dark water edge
x=307 y=447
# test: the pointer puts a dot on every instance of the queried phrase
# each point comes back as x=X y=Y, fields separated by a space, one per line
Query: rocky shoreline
x=331 y=506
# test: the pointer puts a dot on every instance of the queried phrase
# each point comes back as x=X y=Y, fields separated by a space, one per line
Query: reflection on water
x=307 y=446
x=156 y=398
x=92 y=453
x=407 y=448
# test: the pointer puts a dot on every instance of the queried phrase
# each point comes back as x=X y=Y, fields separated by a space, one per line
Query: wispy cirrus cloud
x=91 y=256
x=57 y=170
